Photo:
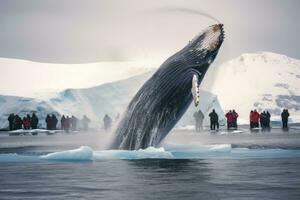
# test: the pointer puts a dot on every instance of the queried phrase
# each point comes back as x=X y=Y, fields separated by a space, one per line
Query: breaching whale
x=164 y=98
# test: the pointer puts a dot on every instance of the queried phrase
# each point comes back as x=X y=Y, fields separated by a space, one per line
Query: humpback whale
x=164 y=98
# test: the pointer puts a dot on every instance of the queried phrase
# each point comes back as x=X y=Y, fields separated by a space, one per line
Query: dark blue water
x=153 y=179
x=196 y=171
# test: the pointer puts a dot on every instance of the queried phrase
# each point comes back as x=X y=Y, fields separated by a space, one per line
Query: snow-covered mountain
x=259 y=81
x=252 y=81
x=111 y=98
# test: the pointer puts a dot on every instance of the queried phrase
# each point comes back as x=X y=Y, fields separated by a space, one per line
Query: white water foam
x=149 y=153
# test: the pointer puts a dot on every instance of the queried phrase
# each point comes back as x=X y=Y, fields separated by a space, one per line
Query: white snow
x=259 y=81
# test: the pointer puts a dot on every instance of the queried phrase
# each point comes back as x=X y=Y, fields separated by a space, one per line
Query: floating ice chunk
x=150 y=152
x=82 y=153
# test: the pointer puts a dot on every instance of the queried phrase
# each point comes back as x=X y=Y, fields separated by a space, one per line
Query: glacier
x=111 y=98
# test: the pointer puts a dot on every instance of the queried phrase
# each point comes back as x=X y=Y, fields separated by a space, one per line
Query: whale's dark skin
x=164 y=98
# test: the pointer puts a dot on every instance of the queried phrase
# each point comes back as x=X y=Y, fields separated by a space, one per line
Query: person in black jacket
x=54 y=121
x=17 y=122
x=48 y=122
x=34 y=121
x=268 y=120
x=285 y=118
x=214 y=120
x=11 y=121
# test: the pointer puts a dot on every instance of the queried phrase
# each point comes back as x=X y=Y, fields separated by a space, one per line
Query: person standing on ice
x=62 y=122
x=251 y=119
x=74 y=123
x=229 y=117
x=107 y=122
x=285 y=118
x=263 y=120
x=53 y=122
x=268 y=120
x=235 y=116
x=255 y=118
x=34 y=121
x=26 y=122
x=11 y=121
x=214 y=120
x=85 y=122
x=48 y=122
x=67 y=124
x=17 y=122
x=199 y=120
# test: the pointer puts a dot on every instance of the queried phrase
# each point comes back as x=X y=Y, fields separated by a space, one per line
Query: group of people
x=231 y=117
x=256 y=119
x=68 y=123
x=263 y=119
x=51 y=122
x=31 y=122
x=27 y=122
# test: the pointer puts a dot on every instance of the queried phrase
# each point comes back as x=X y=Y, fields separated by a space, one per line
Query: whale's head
x=202 y=50
x=210 y=40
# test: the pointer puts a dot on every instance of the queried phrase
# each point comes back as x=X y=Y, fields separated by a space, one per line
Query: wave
x=170 y=151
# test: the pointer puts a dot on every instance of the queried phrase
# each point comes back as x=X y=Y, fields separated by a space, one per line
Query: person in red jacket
x=235 y=116
x=229 y=117
x=255 y=119
x=26 y=122
x=251 y=119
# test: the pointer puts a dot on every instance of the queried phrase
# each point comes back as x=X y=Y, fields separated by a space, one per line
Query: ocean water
x=188 y=165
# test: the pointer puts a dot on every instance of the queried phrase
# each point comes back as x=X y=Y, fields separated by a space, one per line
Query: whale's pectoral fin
x=196 y=89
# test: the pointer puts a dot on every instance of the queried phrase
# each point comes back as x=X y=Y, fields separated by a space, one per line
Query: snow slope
x=259 y=81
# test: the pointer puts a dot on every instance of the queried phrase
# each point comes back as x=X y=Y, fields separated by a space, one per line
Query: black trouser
x=229 y=125
x=284 y=123
x=11 y=126
x=254 y=124
x=251 y=124
x=213 y=125
x=234 y=124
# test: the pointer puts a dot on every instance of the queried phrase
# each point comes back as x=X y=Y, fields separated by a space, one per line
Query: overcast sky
x=82 y=31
